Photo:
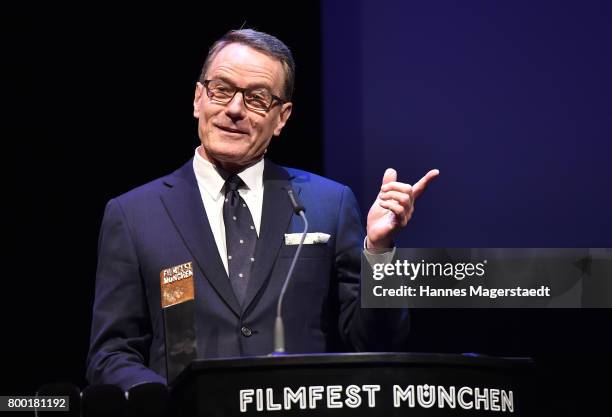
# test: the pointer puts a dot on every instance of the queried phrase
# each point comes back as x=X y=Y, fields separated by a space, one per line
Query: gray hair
x=261 y=42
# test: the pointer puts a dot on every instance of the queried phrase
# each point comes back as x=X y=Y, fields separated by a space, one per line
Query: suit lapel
x=275 y=218
x=183 y=202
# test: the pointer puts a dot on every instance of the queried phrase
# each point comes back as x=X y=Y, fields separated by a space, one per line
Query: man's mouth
x=231 y=130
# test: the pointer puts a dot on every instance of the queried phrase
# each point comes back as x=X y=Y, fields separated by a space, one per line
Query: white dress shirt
x=210 y=183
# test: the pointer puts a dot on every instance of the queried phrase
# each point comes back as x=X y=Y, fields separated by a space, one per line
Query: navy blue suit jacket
x=163 y=224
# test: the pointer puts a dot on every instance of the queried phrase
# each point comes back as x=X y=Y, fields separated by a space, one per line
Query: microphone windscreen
x=103 y=401
x=295 y=202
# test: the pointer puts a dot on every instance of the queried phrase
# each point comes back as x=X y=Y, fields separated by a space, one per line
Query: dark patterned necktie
x=240 y=236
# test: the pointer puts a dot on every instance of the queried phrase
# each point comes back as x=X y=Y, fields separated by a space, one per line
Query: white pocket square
x=310 y=239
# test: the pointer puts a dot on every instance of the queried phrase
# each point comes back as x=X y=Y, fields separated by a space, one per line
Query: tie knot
x=233 y=183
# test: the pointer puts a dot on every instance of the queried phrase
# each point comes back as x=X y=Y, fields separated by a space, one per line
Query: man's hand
x=393 y=208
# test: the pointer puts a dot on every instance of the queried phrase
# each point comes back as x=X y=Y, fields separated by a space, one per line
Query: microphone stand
x=279 y=328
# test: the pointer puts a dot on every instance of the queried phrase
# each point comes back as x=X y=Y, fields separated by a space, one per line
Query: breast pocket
x=315 y=250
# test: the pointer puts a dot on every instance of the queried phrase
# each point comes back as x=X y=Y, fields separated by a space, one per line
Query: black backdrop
x=99 y=102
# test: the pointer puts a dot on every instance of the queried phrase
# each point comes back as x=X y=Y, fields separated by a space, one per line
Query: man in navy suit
x=241 y=101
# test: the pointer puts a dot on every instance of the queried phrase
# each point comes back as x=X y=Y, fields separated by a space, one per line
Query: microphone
x=295 y=203
x=279 y=328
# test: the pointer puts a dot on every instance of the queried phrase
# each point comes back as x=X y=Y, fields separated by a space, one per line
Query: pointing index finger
x=420 y=186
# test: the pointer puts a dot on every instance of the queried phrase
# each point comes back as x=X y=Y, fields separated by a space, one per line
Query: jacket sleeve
x=362 y=329
x=121 y=330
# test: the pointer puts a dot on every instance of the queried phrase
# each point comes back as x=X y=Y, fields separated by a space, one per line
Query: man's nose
x=235 y=108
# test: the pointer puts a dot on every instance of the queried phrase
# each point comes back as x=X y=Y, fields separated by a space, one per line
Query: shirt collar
x=210 y=178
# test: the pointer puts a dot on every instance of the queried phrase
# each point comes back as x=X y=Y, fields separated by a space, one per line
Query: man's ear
x=197 y=99
x=283 y=116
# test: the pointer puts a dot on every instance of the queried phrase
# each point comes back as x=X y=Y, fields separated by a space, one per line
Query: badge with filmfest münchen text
x=176 y=284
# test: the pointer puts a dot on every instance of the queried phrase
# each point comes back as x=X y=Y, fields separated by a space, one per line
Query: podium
x=363 y=384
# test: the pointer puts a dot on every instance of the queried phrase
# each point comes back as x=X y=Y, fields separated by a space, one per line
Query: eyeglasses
x=258 y=99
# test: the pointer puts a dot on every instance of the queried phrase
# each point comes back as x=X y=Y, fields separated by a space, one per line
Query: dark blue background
x=512 y=101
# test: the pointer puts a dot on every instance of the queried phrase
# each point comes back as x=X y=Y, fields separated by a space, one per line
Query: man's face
x=232 y=135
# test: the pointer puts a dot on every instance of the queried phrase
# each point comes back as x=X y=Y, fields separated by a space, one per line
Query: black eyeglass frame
x=275 y=99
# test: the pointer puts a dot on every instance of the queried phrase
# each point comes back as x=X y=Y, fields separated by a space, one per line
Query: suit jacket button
x=246 y=332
